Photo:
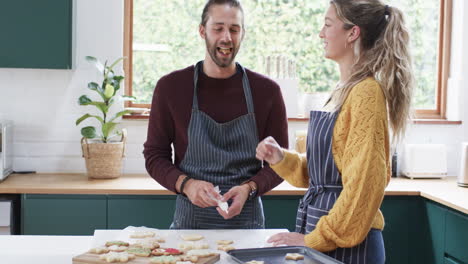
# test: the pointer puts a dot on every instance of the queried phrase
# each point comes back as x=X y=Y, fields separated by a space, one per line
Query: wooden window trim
x=432 y=116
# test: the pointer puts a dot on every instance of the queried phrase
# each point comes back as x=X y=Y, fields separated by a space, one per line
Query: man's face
x=223 y=34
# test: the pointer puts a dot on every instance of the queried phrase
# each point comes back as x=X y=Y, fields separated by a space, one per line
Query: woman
x=347 y=165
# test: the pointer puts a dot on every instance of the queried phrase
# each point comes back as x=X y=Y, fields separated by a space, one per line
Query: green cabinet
x=36 y=34
x=456 y=236
x=140 y=210
x=62 y=214
x=280 y=211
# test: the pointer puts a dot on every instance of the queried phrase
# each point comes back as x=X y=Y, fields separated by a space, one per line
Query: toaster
x=6 y=148
x=424 y=161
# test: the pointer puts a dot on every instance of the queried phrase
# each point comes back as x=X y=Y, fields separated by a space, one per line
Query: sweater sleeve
x=363 y=171
x=276 y=127
x=293 y=169
x=157 y=148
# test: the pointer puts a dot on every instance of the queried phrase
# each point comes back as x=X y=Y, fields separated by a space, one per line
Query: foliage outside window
x=165 y=38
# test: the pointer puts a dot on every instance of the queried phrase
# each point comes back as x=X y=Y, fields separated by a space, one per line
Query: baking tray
x=275 y=255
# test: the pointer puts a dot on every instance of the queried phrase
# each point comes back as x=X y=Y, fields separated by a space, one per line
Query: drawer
x=456 y=235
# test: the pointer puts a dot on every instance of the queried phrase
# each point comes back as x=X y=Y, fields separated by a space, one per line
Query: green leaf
x=84 y=100
x=107 y=129
x=81 y=119
x=96 y=63
x=94 y=86
x=88 y=132
x=109 y=91
x=119 y=114
x=128 y=98
x=115 y=62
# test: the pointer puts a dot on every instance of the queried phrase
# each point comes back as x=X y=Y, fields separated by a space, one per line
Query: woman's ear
x=354 y=33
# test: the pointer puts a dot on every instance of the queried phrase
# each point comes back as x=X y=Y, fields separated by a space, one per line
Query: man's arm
x=157 y=148
x=276 y=127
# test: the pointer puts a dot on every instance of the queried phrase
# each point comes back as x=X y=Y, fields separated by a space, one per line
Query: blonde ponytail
x=383 y=54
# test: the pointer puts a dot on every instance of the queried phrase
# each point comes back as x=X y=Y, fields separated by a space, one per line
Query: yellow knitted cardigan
x=360 y=147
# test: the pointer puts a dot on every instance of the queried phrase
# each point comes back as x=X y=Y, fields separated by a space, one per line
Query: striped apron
x=325 y=186
x=223 y=154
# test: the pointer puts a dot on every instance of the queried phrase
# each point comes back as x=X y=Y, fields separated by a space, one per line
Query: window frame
x=436 y=115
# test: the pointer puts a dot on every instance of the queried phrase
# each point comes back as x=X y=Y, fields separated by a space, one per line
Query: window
x=162 y=36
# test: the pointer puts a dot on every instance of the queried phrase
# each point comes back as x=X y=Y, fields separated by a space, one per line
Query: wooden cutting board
x=88 y=258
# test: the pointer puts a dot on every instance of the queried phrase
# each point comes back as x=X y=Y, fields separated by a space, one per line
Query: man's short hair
x=231 y=3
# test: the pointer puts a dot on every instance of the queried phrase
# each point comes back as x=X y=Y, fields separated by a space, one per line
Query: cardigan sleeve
x=293 y=169
x=363 y=171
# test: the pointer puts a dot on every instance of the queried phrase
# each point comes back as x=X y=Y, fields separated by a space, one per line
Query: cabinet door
x=36 y=34
x=154 y=211
x=456 y=235
x=62 y=214
x=436 y=231
x=395 y=210
x=280 y=211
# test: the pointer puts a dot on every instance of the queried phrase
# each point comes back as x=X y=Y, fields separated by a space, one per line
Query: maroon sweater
x=223 y=100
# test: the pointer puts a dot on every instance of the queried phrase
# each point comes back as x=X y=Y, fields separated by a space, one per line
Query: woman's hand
x=270 y=151
x=289 y=239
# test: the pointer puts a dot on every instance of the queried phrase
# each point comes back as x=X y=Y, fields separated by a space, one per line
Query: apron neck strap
x=245 y=85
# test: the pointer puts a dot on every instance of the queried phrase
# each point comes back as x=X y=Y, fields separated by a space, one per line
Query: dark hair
x=231 y=3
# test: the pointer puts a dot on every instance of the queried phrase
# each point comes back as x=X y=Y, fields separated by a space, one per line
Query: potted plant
x=103 y=151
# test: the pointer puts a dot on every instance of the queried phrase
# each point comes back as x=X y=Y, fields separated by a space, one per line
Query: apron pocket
x=313 y=216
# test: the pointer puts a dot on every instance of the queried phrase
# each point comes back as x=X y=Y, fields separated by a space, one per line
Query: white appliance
x=6 y=148
x=425 y=161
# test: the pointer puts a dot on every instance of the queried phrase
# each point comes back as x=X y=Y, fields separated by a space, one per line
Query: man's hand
x=198 y=193
x=239 y=195
x=289 y=239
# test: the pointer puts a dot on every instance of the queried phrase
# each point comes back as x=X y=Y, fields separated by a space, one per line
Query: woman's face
x=334 y=36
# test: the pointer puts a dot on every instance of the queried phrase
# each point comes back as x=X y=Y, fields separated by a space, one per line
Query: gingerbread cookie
x=294 y=256
x=224 y=242
x=150 y=243
x=116 y=242
x=186 y=246
x=99 y=250
x=166 y=252
x=141 y=252
x=255 y=262
x=117 y=248
x=201 y=253
x=164 y=260
x=192 y=237
x=117 y=257
x=142 y=234
x=226 y=248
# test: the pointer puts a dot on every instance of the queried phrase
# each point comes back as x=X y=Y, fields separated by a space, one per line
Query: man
x=214 y=114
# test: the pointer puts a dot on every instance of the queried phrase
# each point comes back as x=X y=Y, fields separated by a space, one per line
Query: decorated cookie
x=117 y=248
x=164 y=260
x=201 y=253
x=141 y=252
x=255 y=262
x=99 y=250
x=150 y=243
x=186 y=246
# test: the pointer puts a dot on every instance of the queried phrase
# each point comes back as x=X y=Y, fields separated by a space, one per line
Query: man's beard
x=212 y=50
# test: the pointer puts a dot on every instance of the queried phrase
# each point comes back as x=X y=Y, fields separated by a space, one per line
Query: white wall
x=43 y=103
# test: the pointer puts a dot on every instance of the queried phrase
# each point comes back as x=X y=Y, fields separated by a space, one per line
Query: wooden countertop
x=444 y=191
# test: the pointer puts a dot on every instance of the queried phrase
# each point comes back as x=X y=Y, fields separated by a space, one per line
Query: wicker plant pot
x=104 y=160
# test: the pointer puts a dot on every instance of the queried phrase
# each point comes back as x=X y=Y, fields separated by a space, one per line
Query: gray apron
x=325 y=186
x=223 y=154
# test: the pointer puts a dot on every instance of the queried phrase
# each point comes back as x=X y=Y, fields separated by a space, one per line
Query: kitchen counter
x=61 y=249
x=444 y=191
